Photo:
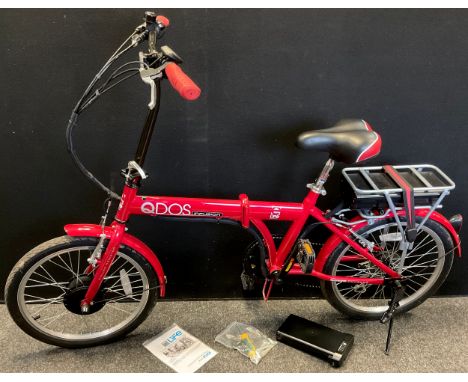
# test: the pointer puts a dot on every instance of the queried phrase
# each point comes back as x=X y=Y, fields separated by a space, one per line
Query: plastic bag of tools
x=248 y=340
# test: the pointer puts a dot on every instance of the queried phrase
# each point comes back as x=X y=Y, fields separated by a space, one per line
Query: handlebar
x=152 y=65
x=154 y=26
x=182 y=83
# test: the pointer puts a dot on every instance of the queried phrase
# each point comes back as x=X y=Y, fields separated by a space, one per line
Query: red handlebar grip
x=182 y=83
x=163 y=20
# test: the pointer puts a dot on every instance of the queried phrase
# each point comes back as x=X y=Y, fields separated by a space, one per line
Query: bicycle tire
x=39 y=253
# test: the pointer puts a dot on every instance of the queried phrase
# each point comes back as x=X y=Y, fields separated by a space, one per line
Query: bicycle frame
x=252 y=213
x=247 y=213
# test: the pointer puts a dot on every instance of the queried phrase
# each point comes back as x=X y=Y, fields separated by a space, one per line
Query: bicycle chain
x=308 y=286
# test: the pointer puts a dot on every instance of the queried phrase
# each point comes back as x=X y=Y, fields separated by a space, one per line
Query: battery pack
x=315 y=339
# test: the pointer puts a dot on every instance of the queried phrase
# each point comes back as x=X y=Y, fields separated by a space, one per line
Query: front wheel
x=44 y=290
x=425 y=267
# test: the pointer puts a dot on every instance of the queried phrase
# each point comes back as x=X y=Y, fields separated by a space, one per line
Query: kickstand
x=389 y=336
x=393 y=305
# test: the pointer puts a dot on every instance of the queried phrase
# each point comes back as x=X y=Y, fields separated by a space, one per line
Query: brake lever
x=148 y=75
x=152 y=84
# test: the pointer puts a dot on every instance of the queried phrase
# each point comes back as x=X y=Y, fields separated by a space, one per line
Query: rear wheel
x=45 y=288
x=426 y=266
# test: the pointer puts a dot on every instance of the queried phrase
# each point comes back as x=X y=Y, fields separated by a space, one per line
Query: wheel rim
x=46 y=285
x=423 y=265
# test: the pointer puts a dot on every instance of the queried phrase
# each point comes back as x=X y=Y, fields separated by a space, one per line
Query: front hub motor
x=76 y=293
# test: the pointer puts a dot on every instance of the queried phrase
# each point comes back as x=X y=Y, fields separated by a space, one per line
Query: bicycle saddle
x=349 y=141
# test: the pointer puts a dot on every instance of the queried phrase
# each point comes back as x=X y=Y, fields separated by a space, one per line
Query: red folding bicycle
x=388 y=249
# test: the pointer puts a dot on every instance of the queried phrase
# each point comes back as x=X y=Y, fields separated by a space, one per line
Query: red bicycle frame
x=251 y=213
x=245 y=212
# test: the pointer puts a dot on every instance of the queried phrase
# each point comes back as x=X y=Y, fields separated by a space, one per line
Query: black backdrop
x=266 y=75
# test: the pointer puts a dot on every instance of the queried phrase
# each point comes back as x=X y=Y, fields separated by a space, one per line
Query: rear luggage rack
x=372 y=186
x=398 y=187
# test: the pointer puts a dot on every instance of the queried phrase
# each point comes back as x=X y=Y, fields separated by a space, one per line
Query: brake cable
x=102 y=89
x=86 y=100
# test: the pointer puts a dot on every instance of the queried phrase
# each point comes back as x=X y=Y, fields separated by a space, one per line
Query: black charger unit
x=315 y=339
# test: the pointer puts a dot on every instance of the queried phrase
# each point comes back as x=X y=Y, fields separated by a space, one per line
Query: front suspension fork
x=104 y=265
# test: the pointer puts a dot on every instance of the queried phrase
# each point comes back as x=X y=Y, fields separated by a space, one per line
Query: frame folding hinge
x=245 y=220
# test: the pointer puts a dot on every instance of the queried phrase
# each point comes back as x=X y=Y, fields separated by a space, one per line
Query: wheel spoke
x=42 y=284
x=42 y=299
x=121 y=298
x=83 y=319
x=118 y=277
x=376 y=292
x=415 y=282
x=112 y=304
x=71 y=262
x=419 y=246
x=51 y=278
x=118 y=269
x=57 y=317
x=60 y=266
x=418 y=265
x=78 y=268
x=66 y=265
x=45 y=306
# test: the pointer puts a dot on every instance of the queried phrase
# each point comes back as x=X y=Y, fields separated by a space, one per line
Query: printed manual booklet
x=180 y=350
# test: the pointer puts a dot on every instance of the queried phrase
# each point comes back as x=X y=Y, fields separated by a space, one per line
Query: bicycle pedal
x=305 y=255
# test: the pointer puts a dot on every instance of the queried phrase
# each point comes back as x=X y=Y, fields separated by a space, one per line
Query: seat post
x=317 y=186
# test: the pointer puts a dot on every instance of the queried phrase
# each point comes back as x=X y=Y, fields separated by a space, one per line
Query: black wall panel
x=266 y=75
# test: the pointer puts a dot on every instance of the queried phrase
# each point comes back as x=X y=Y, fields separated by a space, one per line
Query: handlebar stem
x=146 y=134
